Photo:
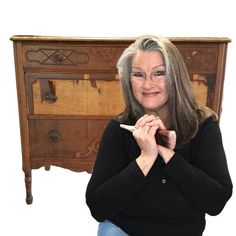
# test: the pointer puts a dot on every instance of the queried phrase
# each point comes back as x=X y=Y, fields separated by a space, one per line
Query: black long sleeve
x=172 y=198
x=205 y=180
x=114 y=183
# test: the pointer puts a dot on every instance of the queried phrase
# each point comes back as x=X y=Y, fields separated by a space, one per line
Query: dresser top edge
x=114 y=39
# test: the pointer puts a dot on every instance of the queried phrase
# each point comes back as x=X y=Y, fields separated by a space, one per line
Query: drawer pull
x=58 y=57
x=48 y=90
x=50 y=98
x=54 y=136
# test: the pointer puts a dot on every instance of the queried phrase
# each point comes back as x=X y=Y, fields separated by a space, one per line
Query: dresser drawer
x=97 y=57
x=65 y=139
x=86 y=57
x=74 y=94
x=200 y=58
x=94 y=95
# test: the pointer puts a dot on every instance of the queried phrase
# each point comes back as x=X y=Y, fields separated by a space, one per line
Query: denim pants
x=107 y=228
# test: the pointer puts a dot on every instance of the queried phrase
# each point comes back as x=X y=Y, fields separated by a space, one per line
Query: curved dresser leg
x=28 y=181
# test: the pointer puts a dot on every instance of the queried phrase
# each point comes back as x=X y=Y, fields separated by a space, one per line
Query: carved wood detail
x=93 y=148
x=47 y=56
x=28 y=183
x=108 y=55
x=204 y=58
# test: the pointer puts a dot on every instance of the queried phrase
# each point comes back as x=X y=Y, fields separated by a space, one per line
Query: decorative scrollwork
x=93 y=148
x=108 y=55
x=45 y=56
x=204 y=58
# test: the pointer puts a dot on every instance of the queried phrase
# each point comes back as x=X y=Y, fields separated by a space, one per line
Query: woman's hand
x=146 y=128
x=167 y=151
x=144 y=134
x=153 y=138
x=167 y=137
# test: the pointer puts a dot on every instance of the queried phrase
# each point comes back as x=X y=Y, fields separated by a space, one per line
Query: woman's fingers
x=152 y=126
x=167 y=138
x=150 y=120
x=145 y=138
x=172 y=139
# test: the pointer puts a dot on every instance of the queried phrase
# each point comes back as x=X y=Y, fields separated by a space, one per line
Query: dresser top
x=114 y=39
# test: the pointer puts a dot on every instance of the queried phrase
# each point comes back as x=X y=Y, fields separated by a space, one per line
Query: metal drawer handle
x=50 y=98
x=48 y=90
x=58 y=57
x=54 y=136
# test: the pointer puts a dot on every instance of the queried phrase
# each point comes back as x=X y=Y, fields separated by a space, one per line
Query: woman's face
x=149 y=82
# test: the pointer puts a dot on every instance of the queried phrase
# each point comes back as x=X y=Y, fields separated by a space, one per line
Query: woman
x=161 y=178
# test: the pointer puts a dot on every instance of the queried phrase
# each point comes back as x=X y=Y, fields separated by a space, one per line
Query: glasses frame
x=142 y=76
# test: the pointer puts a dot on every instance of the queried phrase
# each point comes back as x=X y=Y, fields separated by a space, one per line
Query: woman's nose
x=148 y=82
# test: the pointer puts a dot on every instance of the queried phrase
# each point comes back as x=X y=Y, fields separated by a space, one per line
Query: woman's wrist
x=145 y=163
x=166 y=153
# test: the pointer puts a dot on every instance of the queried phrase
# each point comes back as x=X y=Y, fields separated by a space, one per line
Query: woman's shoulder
x=208 y=128
x=113 y=133
x=209 y=121
x=113 y=124
x=206 y=114
x=113 y=128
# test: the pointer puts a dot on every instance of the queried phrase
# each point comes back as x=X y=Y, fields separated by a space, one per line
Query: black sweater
x=173 y=198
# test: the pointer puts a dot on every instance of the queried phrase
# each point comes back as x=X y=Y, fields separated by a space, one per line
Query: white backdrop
x=59 y=205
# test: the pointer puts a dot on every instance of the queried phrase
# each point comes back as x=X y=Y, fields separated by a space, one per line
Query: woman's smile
x=150 y=94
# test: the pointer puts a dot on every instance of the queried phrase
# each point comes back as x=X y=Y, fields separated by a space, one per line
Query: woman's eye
x=159 y=73
x=138 y=74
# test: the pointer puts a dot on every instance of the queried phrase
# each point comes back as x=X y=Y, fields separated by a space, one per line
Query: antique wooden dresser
x=68 y=89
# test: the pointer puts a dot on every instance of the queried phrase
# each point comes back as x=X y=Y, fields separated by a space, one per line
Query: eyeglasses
x=142 y=76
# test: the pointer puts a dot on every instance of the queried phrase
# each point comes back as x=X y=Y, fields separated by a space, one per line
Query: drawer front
x=74 y=95
x=101 y=57
x=60 y=140
x=199 y=58
x=202 y=61
x=59 y=94
x=71 y=57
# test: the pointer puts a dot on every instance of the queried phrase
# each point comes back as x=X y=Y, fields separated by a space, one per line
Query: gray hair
x=183 y=108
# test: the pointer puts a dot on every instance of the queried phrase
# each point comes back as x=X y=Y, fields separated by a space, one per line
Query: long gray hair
x=185 y=113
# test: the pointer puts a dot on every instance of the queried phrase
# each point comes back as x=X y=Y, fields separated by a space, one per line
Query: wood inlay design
x=93 y=148
x=108 y=55
x=204 y=58
x=57 y=57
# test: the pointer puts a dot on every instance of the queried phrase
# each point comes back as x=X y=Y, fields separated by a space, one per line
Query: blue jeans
x=107 y=228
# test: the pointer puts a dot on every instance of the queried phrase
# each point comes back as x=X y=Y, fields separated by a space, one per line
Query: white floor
x=58 y=206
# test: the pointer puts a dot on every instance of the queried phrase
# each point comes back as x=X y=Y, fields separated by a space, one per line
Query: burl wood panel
x=203 y=63
x=79 y=97
x=76 y=97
